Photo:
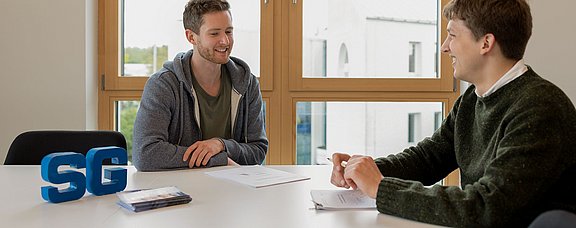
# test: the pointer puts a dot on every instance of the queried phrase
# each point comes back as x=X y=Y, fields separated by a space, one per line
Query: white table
x=215 y=203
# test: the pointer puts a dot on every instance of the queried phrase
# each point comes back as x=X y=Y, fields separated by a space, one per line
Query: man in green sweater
x=512 y=134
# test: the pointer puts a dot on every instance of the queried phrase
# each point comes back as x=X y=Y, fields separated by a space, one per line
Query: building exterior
x=366 y=39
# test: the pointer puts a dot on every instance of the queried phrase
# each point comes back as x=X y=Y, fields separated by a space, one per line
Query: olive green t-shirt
x=215 y=110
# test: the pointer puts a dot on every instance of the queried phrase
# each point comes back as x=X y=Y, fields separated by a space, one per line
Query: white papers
x=257 y=176
x=341 y=199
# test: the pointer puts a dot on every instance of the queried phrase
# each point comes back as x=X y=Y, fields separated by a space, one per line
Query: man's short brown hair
x=193 y=16
x=509 y=21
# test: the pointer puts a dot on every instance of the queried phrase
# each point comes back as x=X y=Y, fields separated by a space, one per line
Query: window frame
x=444 y=82
x=280 y=77
x=295 y=88
x=115 y=87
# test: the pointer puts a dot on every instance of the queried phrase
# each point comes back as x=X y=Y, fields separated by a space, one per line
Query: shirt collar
x=516 y=71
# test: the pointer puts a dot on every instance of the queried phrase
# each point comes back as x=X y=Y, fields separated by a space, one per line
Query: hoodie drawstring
x=180 y=116
x=246 y=110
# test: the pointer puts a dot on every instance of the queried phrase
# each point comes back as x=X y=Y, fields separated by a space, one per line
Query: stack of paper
x=146 y=199
x=341 y=200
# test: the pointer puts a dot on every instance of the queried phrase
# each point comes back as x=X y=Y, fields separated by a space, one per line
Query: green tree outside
x=146 y=56
x=128 y=110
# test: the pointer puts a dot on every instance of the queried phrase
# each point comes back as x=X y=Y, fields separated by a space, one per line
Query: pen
x=343 y=163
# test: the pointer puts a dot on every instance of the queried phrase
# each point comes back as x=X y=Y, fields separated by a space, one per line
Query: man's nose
x=445 y=47
x=225 y=40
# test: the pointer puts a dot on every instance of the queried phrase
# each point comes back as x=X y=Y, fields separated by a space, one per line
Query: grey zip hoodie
x=167 y=122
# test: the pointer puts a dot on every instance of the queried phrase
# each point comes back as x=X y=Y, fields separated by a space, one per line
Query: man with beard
x=204 y=108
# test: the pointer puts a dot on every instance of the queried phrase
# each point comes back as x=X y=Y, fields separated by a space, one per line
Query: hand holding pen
x=343 y=163
x=339 y=163
x=358 y=171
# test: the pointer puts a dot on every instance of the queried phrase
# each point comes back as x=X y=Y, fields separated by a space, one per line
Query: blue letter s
x=50 y=164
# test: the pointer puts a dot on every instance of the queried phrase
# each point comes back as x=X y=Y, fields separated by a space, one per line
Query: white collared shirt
x=516 y=71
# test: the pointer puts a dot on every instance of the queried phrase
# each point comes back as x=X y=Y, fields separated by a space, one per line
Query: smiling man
x=204 y=108
x=512 y=134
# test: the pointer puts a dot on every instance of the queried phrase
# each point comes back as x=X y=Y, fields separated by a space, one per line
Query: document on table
x=341 y=199
x=257 y=176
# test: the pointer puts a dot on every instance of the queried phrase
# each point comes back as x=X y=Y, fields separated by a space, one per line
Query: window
x=368 y=128
x=414 y=127
x=316 y=59
x=436 y=60
x=147 y=41
x=414 y=58
x=438 y=118
x=134 y=45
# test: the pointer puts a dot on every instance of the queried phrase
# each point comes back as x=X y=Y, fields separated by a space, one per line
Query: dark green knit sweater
x=516 y=150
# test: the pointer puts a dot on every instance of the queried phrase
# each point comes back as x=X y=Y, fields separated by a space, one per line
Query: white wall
x=91 y=71
x=551 y=51
x=47 y=66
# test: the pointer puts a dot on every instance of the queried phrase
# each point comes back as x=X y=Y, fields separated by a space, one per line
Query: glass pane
x=125 y=117
x=370 y=128
x=152 y=32
x=370 y=39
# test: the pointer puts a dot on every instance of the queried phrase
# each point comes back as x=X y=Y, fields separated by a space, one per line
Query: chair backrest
x=554 y=218
x=30 y=147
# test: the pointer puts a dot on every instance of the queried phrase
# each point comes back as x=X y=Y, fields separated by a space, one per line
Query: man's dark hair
x=509 y=21
x=193 y=16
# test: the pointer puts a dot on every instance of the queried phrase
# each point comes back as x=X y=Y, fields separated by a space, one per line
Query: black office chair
x=555 y=219
x=30 y=147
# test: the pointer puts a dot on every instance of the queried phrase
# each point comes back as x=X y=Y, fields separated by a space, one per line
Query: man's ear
x=191 y=36
x=488 y=43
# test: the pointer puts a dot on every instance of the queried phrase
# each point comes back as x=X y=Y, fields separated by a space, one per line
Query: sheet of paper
x=257 y=176
x=341 y=199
